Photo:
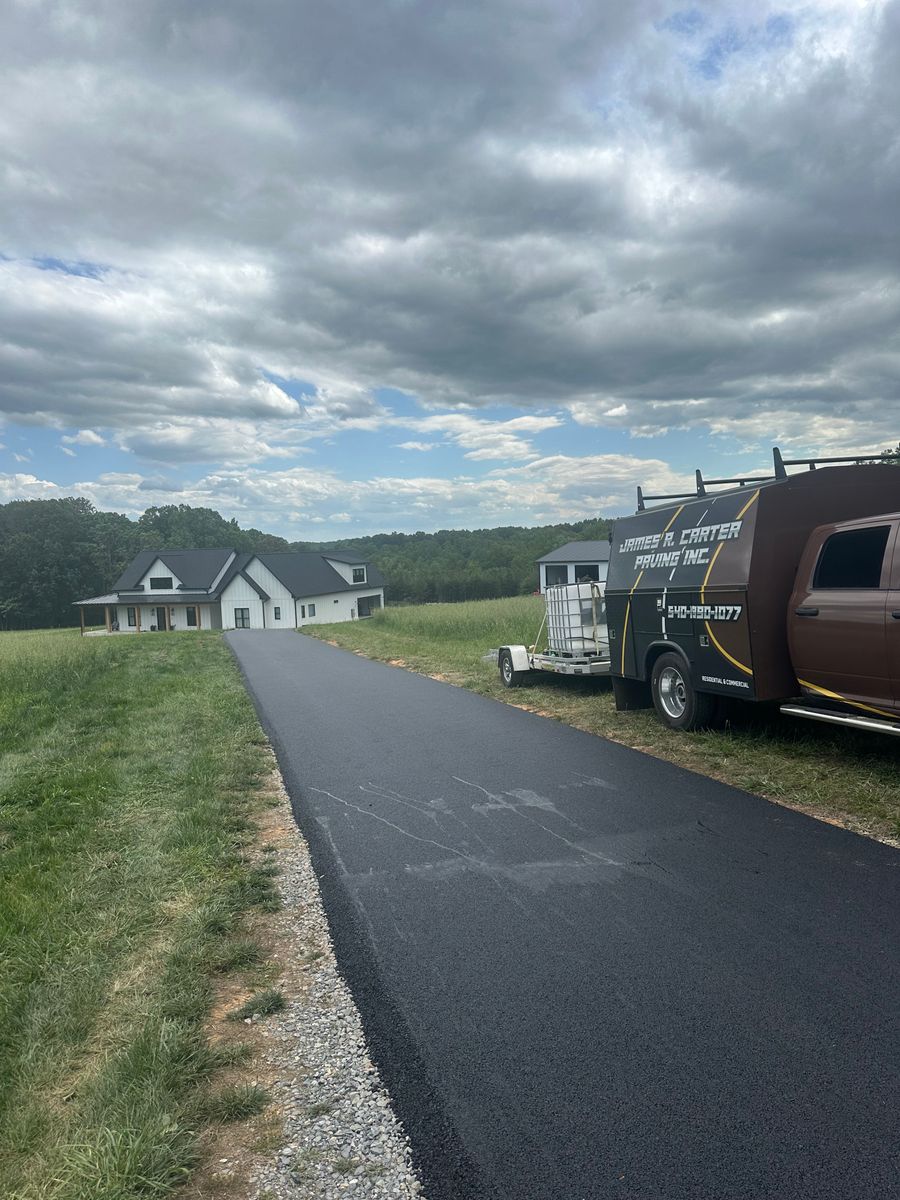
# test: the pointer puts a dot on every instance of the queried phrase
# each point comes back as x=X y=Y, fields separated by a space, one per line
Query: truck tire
x=509 y=677
x=677 y=702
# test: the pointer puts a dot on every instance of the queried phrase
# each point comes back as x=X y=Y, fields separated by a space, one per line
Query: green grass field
x=837 y=775
x=129 y=780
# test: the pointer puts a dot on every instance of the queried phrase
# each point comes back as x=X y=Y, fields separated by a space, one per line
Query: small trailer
x=577 y=642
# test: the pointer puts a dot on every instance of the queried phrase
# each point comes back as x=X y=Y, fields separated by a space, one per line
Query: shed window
x=359 y=574
x=852 y=559
x=191 y=613
x=242 y=618
x=277 y=613
x=312 y=610
x=303 y=611
x=132 y=616
x=555 y=574
x=585 y=572
x=162 y=583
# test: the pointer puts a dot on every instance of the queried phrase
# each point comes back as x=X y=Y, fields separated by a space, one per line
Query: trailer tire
x=677 y=702
x=509 y=677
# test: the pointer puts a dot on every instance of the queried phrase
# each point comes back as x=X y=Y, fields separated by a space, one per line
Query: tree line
x=53 y=552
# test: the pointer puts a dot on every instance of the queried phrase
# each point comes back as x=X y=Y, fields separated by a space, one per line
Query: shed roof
x=578 y=552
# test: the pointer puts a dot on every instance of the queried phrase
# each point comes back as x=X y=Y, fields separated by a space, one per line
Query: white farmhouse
x=225 y=589
x=576 y=562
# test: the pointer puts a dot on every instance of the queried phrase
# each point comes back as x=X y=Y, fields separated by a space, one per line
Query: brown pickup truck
x=784 y=588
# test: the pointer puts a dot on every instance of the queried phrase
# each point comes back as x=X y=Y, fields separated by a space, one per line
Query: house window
x=242 y=618
x=303 y=611
x=359 y=574
x=585 y=572
x=191 y=616
x=853 y=559
x=556 y=574
x=277 y=613
x=312 y=610
x=163 y=583
x=132 y=616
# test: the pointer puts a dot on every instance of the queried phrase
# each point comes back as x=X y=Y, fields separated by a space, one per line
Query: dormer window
x=359 y=574
x=162 y=583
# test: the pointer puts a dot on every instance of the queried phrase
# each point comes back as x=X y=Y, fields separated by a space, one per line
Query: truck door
x=892 y=621
x=837 y=621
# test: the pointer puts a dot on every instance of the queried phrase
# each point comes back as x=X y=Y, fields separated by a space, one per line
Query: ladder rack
x=780 y=472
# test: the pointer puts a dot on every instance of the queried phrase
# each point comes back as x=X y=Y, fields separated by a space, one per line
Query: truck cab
x=844 y=615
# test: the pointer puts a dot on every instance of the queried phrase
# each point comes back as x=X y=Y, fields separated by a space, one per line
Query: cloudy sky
x=348 y=266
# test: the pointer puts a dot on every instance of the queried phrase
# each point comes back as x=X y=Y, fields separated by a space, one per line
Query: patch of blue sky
x=687 y=22
x=729 y=41
x=88 y=270
x=297 y=389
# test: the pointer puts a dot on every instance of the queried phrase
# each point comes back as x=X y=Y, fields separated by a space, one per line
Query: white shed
x=576 y=562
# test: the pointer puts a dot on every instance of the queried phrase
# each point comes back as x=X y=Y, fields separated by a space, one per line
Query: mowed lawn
x=838 y=775
x=129 y=778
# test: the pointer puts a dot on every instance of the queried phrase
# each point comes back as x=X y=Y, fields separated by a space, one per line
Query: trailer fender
x=519 y=657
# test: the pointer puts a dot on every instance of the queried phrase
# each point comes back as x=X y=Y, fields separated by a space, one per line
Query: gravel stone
x=334 y=1108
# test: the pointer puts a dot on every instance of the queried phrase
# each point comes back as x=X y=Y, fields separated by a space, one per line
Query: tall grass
x=514 y=620
x=127 y=769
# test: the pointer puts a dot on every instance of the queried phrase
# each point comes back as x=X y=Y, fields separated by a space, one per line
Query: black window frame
x=312 y=610
x=592 y=570
x=162 y=583
x=556 y=567
x=827 y=572
x=277 y=612
x=242 y=618
x=191 y=609
x=361 y=572
x=131 y=615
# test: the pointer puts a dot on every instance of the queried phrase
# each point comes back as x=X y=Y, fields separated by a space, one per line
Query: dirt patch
x=232 y=1153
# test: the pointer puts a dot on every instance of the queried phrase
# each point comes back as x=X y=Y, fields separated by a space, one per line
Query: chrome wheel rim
x=507 y=670
x=672 y=692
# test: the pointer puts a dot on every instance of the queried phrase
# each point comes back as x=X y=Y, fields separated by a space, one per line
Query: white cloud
x=423 y=446
x=84 y=437
x=70 y=453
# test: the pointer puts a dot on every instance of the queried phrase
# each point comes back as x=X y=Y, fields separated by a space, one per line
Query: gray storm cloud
x=655 y=217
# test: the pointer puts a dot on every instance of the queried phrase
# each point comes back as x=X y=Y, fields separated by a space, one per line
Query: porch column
x=168 y=623
x=137 y=617
x=81 y=610
x=199 y=622
x=108 y=619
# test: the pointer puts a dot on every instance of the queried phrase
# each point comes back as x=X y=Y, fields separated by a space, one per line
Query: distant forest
x=53 y=552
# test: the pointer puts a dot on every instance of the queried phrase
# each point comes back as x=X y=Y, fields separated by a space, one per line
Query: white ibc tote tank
x=576 y=619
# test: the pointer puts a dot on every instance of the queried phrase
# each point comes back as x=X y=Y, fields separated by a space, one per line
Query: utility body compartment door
x=838 y=614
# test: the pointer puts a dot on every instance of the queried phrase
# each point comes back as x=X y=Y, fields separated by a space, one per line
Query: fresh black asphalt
x=585 y=973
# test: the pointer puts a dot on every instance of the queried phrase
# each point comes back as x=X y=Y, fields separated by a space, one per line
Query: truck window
x=852 y=559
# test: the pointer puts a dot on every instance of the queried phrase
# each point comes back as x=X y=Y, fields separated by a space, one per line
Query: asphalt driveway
x=586 y=973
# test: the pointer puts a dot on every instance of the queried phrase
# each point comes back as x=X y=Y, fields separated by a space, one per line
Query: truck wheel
x=678 y=704
x=509 y=677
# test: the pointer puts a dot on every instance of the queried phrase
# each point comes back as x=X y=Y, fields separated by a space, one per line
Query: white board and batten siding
x=239 y=595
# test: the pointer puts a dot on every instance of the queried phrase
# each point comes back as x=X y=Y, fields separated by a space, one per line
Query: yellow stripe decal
x=673 y=518
x=715 y=641
x=627 y=615
x=814 y=687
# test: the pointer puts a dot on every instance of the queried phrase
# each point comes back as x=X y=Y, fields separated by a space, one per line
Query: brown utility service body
x=718 y=578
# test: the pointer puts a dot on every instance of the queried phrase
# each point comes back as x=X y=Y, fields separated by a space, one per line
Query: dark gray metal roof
x=303 y=574
x=308 y=574
x=195 y=568
x=578 y=552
